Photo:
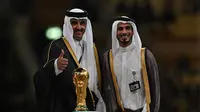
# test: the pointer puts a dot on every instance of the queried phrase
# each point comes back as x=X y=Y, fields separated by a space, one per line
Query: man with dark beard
x=129 y=72
x=54 y=87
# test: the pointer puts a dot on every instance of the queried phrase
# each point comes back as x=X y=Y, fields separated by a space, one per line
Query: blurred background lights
x=53 y=33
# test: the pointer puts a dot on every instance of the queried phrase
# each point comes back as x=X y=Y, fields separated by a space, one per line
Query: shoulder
x=148 y=53
x=53 y=42
x=149 y=58
x=56 y=43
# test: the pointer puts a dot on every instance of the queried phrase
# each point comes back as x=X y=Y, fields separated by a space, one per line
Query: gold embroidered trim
x=71 y=51
x=48 y=54
x=115 y=81
x=97 y=66
x=145 y=78
x=74 y=57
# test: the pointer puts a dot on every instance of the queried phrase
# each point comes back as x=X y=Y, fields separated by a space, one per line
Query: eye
x=120 y=28
x=82 y=22
x=74 y=22
x=128 y=27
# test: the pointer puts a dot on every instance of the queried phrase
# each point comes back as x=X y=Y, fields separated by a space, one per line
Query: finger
x=62 y=53
x=62 y=67
x=65 y=59
x=63 y=63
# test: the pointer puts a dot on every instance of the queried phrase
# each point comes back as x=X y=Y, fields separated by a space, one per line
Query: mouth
x=124 y=38
x=78 y=32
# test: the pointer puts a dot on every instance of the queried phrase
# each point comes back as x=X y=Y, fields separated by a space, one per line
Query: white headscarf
x=88 y=59
x=130 y=61
x=135 y=38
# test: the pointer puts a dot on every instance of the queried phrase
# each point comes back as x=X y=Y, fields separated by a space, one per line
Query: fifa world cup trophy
x=80 y=80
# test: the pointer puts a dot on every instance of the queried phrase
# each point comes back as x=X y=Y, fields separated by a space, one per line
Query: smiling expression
x=124 y=34
x=78 y=26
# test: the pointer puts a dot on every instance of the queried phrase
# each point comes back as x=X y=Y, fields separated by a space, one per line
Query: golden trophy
x=80 y=80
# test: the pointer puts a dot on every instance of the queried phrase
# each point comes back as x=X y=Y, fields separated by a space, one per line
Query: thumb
x=62 y=53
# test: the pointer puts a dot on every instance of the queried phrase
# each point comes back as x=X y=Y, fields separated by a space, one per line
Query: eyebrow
x=124 y=26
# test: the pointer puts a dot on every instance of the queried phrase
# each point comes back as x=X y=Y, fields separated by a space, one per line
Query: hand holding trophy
x=80 y=80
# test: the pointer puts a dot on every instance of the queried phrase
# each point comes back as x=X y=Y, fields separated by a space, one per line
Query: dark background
x=169 y=28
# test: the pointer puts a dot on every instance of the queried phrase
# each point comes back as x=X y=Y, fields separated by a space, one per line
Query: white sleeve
x=57 y=71
x=144 y=108
x=101 y=107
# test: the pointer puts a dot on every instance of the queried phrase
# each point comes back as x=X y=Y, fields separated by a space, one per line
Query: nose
x=78 y=26
x=124 y=31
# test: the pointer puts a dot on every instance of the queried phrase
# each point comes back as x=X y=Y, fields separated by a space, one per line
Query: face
x=124 y=34
x=78 y=26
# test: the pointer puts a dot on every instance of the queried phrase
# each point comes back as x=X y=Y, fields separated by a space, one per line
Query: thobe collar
x=125 y=62
x=126 y=49
x=77 y=42
x=79 y=50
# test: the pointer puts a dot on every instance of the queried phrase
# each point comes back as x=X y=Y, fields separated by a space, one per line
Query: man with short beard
x=129 y=72
x=54 y=87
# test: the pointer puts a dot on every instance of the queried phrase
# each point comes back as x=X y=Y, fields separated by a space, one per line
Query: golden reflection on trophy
x=80 y=80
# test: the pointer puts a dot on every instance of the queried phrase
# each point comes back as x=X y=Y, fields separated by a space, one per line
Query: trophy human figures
x=80 y=80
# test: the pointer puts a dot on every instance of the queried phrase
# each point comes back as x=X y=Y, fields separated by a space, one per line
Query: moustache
x=78 y=30
x=125 y=42
x=124 y=34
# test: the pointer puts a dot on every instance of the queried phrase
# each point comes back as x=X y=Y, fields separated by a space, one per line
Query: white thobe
x=126 y=62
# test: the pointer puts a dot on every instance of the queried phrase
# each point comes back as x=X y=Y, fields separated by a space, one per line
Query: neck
x=77 y=40
x=124 y=44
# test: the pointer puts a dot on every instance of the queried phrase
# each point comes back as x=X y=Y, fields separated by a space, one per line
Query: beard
x=124 y=40
x=79 y=30
x=78 y=34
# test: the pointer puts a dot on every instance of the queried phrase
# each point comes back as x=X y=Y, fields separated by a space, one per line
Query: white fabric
x=78 y=52
x=79 y=49
x=136 y=38
x=127 y=60
x=145 y=108
x=88 y=59
x=57 y=71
